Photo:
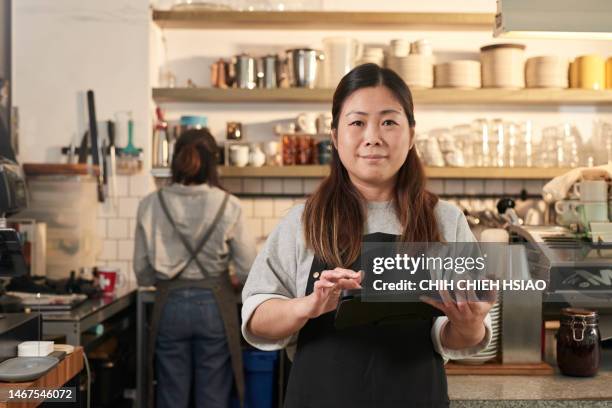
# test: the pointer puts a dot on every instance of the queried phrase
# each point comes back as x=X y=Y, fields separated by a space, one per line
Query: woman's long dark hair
x=335 y=213
x=195 y=158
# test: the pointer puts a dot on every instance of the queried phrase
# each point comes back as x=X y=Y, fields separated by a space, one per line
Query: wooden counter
x=67 y=369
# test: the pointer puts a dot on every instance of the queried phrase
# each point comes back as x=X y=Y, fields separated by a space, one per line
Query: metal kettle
x=243 y=72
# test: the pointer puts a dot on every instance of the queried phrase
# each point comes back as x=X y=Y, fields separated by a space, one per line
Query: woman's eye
x=356 y=123
x=389 y=122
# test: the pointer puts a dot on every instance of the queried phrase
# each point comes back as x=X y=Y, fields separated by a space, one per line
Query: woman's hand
x=278 y=318
x=326 y=292
x=466 y=316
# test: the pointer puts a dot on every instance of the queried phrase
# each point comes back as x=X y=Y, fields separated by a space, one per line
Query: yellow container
x=591 y=72
x=609 y=73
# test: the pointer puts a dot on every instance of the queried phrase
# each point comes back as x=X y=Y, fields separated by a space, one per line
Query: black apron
x=378 y=365
x=222 y=290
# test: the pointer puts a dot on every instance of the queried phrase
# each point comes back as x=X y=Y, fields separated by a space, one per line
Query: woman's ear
x=412 y=137
x=334 y=138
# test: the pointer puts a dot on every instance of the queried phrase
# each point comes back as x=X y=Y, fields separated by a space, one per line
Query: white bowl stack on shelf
x=413 y=62
x=415 y=69
x=458 y=74
x=503 y=66
x=490 y=352
x=547 y=71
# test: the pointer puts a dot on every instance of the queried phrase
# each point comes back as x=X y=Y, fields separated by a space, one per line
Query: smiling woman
x=373 y=160
x=375 y=192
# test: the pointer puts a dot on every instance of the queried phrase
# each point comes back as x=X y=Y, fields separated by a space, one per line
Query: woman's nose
x=372 y=135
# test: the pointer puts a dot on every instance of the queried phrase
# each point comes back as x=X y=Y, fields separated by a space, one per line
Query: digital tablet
x=352 y=311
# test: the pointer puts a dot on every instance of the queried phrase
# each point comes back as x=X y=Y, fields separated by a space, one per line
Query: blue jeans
x=192 y=359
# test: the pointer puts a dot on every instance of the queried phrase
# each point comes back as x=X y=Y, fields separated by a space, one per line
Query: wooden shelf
x=314 y=20
x=317 y=171
x=235 y=95
x=436 y=96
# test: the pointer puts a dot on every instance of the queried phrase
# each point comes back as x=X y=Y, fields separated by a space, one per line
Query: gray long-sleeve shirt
x=281 y=269
x=160 y=254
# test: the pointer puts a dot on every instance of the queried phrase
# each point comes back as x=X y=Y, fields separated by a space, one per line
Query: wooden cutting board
x=495 y=368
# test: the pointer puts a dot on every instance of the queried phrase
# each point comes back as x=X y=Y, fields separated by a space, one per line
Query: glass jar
x=193 y=122
x=578 y=343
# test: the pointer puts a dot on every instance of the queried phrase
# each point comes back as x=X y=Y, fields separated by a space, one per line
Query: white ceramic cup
x=592 y=190
x=564 y=206
x=307 y=122
x=593 y=212
x=324 y=122
x=272 y=151
x=400 y=47
x=567 y=212
x=239 y=155
x=257 y=157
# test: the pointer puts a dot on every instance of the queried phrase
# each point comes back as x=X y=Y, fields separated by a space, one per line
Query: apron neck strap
x=193 y=252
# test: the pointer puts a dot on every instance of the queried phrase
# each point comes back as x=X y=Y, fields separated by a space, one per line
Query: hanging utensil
x=95 y=143
x=112 y=185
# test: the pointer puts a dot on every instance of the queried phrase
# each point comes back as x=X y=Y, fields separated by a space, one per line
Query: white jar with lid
x=503 y=66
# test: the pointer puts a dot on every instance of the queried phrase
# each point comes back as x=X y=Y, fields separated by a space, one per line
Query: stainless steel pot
x=244 y=72
x=303 y=66
x=268 y=71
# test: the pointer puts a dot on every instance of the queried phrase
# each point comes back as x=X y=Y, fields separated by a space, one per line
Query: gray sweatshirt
x=160 y=254
x=286 y=251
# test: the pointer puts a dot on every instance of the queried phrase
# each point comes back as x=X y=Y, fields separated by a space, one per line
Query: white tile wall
x=109 y=250
x=118 y=228
x=263 y=207
x=116 y=225
x=435 y=186
x=293 y=186
x=494 y=186
x=252 y=186
x=262 y=214
x=310 y=185
x=128 y=207
x=273 y=186
x=282 y=206
x=126 y=249
x=233 y=185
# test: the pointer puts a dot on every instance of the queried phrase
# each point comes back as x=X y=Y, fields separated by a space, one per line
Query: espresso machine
x=578 y=273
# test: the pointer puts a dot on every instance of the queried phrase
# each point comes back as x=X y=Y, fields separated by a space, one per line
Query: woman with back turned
x=186 y=236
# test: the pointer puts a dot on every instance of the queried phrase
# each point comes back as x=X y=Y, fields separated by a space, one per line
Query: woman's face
x=373 y=137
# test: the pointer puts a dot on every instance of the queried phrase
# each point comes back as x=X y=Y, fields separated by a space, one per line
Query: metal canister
x=267 y=71
x=245 y=71
x=303 y=67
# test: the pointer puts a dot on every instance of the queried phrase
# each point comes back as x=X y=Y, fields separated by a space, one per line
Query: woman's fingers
x=335 y=275
x=435 y=303
x=323 y=284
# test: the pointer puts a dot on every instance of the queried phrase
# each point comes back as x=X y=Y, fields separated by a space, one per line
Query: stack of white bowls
x=458 y=74
x=546 y=72
x=374 y=55
x=415 y=69
x=503 y=66
x=490 y=352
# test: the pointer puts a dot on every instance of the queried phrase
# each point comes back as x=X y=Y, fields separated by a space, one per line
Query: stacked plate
x=546 y=72
x=458 y=74
x=415 y=69
x=489 y=353
x=503 y=66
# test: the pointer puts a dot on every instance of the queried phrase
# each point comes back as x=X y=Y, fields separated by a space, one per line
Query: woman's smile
x=373 y=158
